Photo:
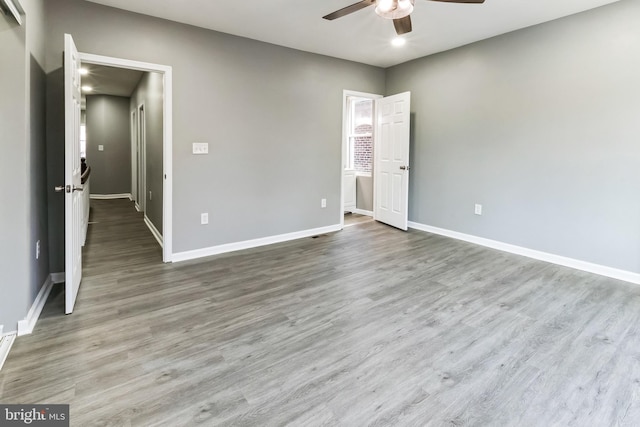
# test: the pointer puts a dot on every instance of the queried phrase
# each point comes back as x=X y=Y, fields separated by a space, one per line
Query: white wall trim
x=133 y=141
x=248 y=244
x=167 y=154
x=364 y=174
x=601 y=270
x=167 y=159
x=141 y=180
x=363 y=212
x=25 y=327
x=6 y=342
x=153 y=229
x=111 y=196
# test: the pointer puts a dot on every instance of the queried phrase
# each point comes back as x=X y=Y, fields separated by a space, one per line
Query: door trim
x=167 y=134
x=142 y=156
x=345 y=120
x=134 y=156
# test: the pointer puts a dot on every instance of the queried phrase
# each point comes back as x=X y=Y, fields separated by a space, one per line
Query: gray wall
x=542 y=127
x=108 y=125
x=150 y=92
x=272 y=117
x=364 y=193
x=37 y=179
x=23 y=215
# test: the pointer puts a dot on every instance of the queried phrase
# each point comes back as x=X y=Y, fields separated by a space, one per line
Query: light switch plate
x=200 y=148
x=100 y=147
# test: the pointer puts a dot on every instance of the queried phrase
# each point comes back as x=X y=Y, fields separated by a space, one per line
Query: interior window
x=360 y=135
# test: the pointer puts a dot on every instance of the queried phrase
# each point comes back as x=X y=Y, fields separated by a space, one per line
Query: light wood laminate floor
x=355 y=219
x=368 y=326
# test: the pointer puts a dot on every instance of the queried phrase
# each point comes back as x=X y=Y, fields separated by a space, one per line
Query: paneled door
x=392 y=160
x=73 y=210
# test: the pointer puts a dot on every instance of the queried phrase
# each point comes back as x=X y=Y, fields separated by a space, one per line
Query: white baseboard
x=6 y=342
x=154 y=230
x=248 y=244
x=25 y=327
x=137 y=206
x=602 y=270
x=363 y=212
x=111 y=196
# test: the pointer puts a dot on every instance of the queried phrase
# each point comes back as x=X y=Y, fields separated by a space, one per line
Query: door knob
x=405 y=168
x=67 y=188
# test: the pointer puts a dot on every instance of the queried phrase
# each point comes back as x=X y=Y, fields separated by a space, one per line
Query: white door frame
x=134 y=157
x=141 y=149
x=167 y=134
x=345 y=141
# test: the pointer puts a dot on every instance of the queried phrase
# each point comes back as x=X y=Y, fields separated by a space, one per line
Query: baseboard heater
x=11 y=8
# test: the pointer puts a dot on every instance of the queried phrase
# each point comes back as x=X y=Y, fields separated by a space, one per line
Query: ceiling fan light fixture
x=394 y=9
x=398 y=42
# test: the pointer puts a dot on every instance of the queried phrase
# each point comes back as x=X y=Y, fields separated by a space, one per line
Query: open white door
x=391 y=168
x=72 y=174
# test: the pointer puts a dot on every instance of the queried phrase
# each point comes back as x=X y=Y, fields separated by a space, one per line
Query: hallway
x=61 y=357
x=117 y=239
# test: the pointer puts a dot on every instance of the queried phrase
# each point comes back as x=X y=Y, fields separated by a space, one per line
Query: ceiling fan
x=397 y=10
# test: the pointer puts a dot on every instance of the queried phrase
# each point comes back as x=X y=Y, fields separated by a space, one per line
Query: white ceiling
x=362 y=36
x=111 y=80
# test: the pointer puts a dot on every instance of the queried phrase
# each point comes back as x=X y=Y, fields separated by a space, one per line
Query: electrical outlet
x=38 y=249
x=323 y=203
x=100 y=147
x=200 y=148
x=204 y=218
x=478 y=209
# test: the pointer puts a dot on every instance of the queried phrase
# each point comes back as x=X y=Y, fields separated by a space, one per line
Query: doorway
x=388 y=122
x=358 y=129
x=138 y=163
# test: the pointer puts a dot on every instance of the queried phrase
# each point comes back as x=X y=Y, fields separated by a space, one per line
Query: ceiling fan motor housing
x=394 y=9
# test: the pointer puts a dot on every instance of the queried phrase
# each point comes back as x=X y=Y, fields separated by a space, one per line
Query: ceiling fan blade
x=349 y=9
x=403 y=25
x=461 y=1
